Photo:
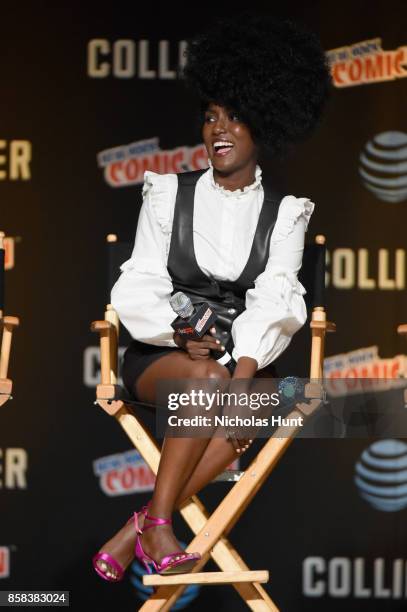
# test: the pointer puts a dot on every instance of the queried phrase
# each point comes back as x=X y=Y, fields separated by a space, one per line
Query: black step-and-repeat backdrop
x=89 y=100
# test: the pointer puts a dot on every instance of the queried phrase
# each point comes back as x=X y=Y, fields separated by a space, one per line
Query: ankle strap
x=155 y=521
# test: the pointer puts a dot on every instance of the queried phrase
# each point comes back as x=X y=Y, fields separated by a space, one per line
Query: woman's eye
x=209 y=118
x=234 y=117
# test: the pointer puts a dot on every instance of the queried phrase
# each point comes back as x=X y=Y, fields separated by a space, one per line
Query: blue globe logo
x=383 y=166
x=381 y=475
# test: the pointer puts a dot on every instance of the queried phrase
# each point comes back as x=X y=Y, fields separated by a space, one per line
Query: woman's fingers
x=242 y=445
x=210 y=341
x=206 y=342
x=200 y=348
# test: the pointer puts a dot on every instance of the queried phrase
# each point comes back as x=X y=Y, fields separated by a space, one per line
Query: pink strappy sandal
x=175 y=563
x=103 y=570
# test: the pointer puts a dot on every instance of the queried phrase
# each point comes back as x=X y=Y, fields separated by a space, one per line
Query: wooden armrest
x=9 y=322
x=98 y=326
x=326 y=325
x=402 y=329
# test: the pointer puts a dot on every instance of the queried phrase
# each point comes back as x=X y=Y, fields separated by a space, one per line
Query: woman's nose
x=220 y=126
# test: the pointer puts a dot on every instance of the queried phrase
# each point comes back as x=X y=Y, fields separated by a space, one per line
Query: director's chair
x=211 y=531
x=7 y=324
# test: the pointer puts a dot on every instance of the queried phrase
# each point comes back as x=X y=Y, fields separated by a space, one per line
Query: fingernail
x=213 y=330
x=238 y=450
x=223 y=348
x=217 y=341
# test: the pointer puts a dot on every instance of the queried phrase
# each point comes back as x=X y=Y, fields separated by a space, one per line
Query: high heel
x=174 y=563
x=103 y=570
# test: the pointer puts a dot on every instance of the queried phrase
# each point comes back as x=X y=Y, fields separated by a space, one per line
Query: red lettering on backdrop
x=132 y=170
x=394 y=373
x=374 y=67
x=389 y=62
x=165 y=163
x=114 y=173
x=127 y=478
x=337 y=69
x=376 y=371
x=153 y=163
x=398 y=60
x=355 y=70
x=198 y=156
x=177 y=160
x=110 y=478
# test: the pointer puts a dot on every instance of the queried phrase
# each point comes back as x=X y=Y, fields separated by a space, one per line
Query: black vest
x=227 y=298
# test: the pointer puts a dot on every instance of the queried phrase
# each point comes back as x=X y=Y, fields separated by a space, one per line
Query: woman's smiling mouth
x=222 y=147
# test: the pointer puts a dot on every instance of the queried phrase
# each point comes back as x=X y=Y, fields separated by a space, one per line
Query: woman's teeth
x=222 y=147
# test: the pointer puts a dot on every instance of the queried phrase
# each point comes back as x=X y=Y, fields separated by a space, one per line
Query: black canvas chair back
x=312 y=276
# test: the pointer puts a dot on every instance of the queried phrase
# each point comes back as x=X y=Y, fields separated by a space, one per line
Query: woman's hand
x=241 y=437
x=199 y=349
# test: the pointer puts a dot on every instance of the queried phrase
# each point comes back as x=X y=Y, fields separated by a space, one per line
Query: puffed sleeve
x=275 y=307
x=142 y=291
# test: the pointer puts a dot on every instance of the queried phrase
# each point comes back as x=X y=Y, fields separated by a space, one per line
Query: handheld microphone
x=193 y=322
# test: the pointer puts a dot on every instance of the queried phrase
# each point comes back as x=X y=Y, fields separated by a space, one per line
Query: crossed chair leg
x=210 y=531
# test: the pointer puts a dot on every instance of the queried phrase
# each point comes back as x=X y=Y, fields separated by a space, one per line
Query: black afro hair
x=273 y=73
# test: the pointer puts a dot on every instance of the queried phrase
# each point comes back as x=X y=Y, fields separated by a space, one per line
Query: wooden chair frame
x=7 y=324
x=210 y=531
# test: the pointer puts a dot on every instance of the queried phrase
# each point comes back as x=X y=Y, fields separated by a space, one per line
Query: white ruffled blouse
x=224 y=225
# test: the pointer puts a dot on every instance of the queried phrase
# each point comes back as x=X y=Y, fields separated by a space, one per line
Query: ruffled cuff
x=145 y=265
x=278 y=285
x=291 y=209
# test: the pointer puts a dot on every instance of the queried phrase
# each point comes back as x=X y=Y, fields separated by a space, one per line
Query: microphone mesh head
x=181 y=304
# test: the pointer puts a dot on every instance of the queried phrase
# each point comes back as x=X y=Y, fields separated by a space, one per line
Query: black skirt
x=139 y=355
x=136 y=358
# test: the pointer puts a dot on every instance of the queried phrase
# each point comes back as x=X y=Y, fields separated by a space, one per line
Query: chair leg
x=223 y=518
x=229 y=511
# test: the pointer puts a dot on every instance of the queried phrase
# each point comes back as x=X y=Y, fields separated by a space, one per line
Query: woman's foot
x=121 y=548
x=161 y=542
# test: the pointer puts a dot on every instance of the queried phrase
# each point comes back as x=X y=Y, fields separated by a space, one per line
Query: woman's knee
x=209 y=368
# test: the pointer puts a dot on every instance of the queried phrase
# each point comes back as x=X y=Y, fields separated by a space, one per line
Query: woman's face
x=228 y=140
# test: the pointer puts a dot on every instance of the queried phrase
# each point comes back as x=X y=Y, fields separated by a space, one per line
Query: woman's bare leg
x=218 y=454
x=179 y=458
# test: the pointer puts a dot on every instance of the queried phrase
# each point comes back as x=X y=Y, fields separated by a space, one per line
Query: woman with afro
x=222 y=236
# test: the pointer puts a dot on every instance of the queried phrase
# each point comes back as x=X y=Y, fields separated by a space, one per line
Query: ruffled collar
x=235 y=192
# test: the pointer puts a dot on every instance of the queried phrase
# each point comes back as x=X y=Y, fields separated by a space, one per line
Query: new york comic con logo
x=125 y=165
x=123 y=473
x=366 y=62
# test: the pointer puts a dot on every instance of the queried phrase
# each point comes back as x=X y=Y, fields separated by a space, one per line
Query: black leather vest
x=227 y=298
